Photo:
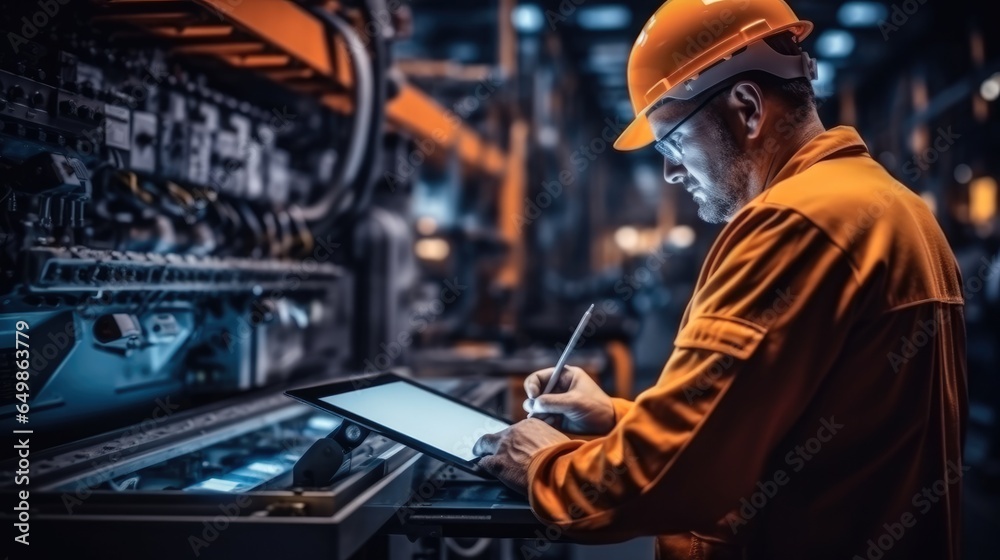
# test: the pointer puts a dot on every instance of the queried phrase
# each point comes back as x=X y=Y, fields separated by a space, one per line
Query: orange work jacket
x=814 y=405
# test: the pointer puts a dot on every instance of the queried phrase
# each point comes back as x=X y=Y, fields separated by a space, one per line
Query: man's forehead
x=667 y=112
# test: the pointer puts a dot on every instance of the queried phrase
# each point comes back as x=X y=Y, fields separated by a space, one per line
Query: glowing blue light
x=463 y=51
x=824 y=82
x=861 y=14
x=266 y=468
x=527 y=18
x=825 y=72
x=215 y=484
x=835 y=43
x=608 y=57
x=324 y=422
x=597 y=18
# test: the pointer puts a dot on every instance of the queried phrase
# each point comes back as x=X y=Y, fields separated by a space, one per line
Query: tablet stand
x=328 y=456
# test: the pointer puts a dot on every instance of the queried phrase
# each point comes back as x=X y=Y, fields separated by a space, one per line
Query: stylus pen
x=565 y=354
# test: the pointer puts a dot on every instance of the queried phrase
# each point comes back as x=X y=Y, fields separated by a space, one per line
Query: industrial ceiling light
x=432 y=249
x=862 y=14
x=990 y=89
x=681 y=236
x=527 y=18
x=627 y=238
x=982 y=200
x=963 y=173
x=426 y=225
x=602 y=18
x=835 y=43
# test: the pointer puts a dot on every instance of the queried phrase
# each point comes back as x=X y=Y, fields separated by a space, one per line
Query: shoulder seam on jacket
x=855 y=269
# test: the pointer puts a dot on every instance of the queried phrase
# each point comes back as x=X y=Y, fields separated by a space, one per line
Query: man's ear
x=746 y=103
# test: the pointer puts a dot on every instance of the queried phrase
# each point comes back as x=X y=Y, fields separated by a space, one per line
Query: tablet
x=410 y=413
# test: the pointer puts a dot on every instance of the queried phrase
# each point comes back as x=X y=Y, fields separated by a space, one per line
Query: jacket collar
x=839 y=141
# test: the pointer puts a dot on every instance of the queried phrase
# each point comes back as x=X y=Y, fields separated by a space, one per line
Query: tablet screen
x=422 y=415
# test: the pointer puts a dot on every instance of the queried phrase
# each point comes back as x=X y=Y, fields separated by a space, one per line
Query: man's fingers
x=566 y=379
x=551 y=419
x=534 y=383
x=553 y=403
x=532 y=386
x=529 y=406
x=487 y=445
x=490 y=464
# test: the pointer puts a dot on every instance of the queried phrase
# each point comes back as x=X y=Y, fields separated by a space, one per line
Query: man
x=815 y=401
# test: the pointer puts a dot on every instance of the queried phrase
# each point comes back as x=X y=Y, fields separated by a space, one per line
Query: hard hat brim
x=639 y=134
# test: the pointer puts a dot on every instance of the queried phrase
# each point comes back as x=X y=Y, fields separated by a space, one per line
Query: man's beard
x=731 y=173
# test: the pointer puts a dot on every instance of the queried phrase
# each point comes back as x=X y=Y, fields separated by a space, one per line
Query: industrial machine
x=197 y=214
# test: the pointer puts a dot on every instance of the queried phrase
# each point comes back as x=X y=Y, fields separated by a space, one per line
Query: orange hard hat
x=688 y=46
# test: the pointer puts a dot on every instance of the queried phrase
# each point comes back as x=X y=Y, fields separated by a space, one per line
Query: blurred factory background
x=207 y=201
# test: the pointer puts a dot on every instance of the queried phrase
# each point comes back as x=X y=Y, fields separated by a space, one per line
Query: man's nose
x=673 y=173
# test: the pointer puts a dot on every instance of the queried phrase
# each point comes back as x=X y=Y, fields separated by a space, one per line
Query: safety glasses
x=667 y=146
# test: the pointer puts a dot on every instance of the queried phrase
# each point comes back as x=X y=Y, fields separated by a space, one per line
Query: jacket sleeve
x=622 y=407
x=775 y=303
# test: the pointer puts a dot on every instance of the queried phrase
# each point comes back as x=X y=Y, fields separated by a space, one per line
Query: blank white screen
x=421 y=415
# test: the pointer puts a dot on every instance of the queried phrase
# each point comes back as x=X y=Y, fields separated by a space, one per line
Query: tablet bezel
x=313 y=395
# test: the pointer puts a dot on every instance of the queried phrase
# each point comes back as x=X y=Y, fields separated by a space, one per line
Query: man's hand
x=576 y=404
x=508 y=453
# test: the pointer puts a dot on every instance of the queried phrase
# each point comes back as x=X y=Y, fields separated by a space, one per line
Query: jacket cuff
x=538 y=461
x=622 y=407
